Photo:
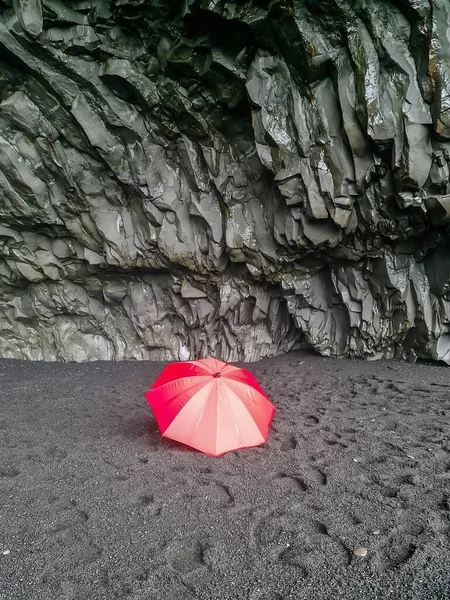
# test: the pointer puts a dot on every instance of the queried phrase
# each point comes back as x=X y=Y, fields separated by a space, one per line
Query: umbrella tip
x=216 y=375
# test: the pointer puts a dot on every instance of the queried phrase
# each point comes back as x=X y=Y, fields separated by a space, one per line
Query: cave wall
x=199 y=177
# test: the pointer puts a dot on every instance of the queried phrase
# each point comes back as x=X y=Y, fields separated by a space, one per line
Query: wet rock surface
x=195 y=177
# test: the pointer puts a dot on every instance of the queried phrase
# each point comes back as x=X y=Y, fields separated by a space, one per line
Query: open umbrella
x=211 y=406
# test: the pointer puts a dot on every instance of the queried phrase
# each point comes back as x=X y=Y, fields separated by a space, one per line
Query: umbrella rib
x=219 y=392
x=175 y=397
x=241 y=384
x=188 y=377
x=201 y=415
x=200 y=365
x=233 y=415
x=247 y=410
x=251 y=384
x=246 y=385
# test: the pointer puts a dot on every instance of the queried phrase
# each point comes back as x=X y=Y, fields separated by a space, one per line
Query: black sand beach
x=95 y=506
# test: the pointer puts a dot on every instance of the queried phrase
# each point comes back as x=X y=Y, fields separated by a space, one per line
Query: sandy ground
x=94 y=505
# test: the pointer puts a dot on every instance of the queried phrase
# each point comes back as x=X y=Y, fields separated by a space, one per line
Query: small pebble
x=6 y=552
x=360 y=551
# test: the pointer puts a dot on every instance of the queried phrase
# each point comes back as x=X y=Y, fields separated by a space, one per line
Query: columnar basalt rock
x=196 y=177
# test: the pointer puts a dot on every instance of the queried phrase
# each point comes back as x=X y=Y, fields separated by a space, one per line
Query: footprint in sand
x=290 y=443
x=316 y=477
x=266 y=596
x=311 y=420
x=56 y=453
x=217 y=493
x=306 y=481
x=333 y=438
x=401 y=545
x=312 y=546
x=290 y=483
x=67 y=516
x=148 y=505
x=184 y=558
x=9 y=472
x=295 y=557
x=398 y=553
x=271 y=530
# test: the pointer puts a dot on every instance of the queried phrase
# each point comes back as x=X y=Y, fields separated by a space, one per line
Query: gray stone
x=263 y=178
x=29 y=13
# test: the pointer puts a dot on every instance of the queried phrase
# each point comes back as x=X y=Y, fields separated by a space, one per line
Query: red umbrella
x=211 y=406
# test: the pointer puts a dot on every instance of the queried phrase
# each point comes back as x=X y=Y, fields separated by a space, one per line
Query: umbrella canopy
x=211 y=406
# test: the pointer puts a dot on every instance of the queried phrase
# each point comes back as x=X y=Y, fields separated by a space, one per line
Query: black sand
x=94 y=505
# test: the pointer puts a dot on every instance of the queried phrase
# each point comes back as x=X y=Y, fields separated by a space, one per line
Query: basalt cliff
x=181 y=178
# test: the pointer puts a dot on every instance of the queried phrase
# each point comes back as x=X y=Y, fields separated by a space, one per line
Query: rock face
x=239 y=178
